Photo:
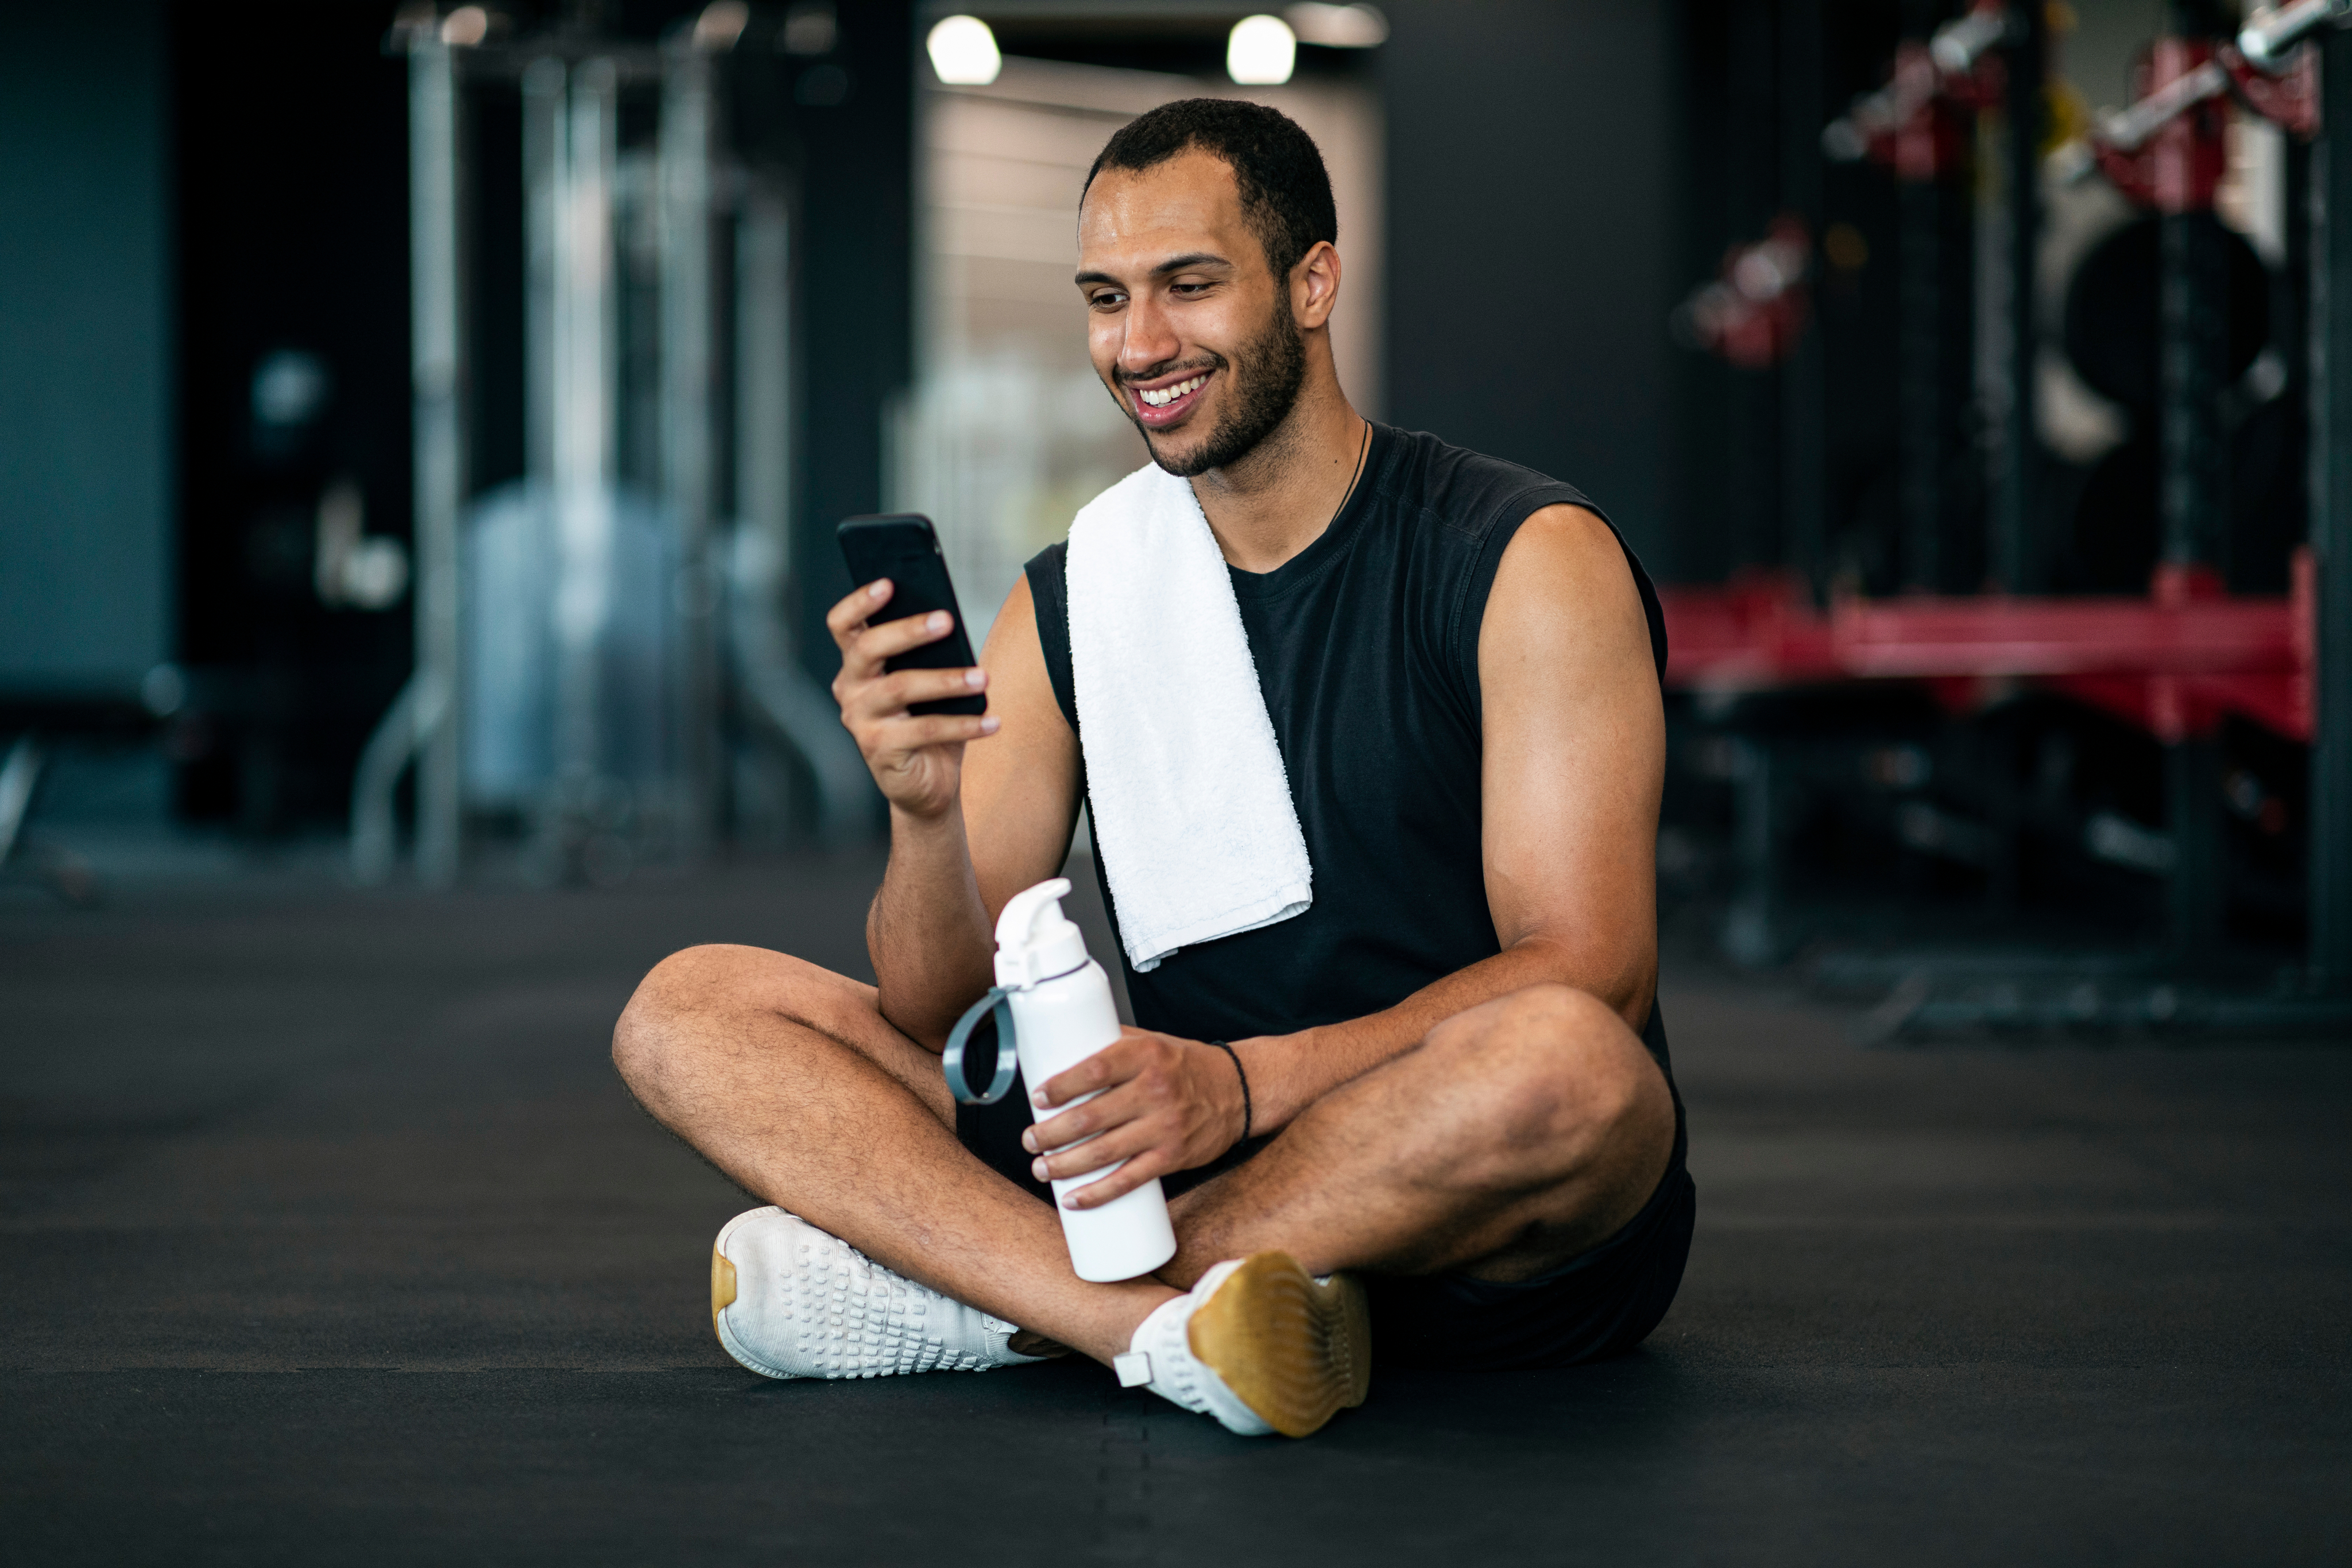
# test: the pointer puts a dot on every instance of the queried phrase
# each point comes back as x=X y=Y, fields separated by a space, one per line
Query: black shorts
x=1602 y=1302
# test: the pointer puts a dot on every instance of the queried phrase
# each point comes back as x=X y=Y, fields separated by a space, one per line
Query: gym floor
x=327 y=1233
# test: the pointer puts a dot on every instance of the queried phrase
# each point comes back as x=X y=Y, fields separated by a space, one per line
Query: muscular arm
x=997 y=820
x=1573 y=762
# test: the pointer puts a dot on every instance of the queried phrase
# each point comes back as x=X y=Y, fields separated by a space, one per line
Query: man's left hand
x=1166 y=1104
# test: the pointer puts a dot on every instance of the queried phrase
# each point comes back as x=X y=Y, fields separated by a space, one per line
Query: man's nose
x=1150 y=337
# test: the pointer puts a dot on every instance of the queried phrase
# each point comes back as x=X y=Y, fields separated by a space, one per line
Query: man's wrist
x=1270 y=1095
x=1242 y=1087
x=927 y=933
x=908 y=820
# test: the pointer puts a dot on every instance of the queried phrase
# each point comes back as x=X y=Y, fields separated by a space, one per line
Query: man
x=1440 y=1094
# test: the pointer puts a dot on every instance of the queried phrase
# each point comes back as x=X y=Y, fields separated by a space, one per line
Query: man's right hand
x=917 y=759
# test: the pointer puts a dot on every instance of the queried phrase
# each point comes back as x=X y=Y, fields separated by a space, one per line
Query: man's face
x=1188 y=325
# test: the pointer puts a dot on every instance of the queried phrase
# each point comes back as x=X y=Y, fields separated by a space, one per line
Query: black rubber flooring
x=327 y=1235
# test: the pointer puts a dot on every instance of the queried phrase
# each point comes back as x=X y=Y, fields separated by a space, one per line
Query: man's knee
x=687 y=982
x=1552 y=1081
x=660 y=1028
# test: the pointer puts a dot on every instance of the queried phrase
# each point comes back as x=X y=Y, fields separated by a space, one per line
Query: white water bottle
x=1062 y=1014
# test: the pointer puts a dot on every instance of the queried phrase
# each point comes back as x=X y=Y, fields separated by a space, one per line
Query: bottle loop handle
x=998 y=1001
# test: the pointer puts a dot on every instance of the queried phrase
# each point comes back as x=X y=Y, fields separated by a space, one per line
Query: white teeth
x=1166 y=395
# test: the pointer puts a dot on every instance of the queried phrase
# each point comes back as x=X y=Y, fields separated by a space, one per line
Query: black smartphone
x=902 y=548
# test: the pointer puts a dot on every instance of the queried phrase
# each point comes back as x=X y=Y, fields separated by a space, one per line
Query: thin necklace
x=1363 y=445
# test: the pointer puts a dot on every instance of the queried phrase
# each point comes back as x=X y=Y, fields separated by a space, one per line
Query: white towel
x=1191 y=807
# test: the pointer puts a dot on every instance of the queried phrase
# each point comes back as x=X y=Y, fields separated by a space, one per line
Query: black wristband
x=1238 y=1072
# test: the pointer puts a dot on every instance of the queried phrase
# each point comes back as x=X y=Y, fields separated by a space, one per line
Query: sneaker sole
x=1295 y=1350
x=723 y=1290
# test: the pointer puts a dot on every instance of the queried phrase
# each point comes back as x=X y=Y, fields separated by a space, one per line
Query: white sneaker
x=1260 y=1345
x=789 y=1300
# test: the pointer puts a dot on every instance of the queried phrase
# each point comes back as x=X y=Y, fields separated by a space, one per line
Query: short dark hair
x=1285 y=192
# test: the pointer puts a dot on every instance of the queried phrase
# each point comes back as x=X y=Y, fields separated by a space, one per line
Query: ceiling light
x=466 y=26
x=1260 y=51
x=963 y=52
x=1338 y=26
x=720 y=23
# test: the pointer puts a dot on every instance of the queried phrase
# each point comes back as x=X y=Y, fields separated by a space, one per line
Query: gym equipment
x=2173 y=665
x=571 y=629
x=1753 y=314
x=2331 y=524
x=1921 y=125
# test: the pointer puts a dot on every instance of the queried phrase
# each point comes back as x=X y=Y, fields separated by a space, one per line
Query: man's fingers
x=893 y=695
x=1118 y=1143
x=865 y=646
x=1119 y=1183
x=1137 y=1119
x=891 y=638
x=874 y=701
x=1104 y=1068
x=891 y=737
x=1114 y=1112
x=845 y=618
x=1060 y=1132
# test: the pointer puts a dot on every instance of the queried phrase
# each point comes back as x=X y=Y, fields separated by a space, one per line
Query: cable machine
x=586 y=636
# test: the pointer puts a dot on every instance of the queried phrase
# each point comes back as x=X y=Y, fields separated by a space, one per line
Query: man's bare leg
x=787 y=1078
x=1519 y=1134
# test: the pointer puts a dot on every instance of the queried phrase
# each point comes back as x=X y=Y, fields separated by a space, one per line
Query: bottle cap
x=1035 y=940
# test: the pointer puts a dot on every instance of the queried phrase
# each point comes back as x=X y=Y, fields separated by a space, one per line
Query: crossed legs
x=1516 y=1134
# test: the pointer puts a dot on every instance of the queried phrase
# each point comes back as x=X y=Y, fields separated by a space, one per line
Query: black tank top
x=1367 y=650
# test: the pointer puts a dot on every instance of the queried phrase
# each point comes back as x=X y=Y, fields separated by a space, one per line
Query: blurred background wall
x=1533 y=167
x=289 y=172
x=86 y=332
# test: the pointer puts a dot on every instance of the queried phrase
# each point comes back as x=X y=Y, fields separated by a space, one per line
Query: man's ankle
x=1116 y=1331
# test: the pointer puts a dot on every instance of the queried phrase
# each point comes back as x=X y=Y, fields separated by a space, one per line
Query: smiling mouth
x=1163 y=396
x=1159 y=407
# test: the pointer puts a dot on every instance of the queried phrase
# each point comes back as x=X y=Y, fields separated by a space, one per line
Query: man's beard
x=1266 y=374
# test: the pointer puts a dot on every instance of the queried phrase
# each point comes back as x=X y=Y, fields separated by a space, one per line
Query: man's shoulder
x=1097 y=525
x=1469 y=493
x=1481 y=503
x=1047 y=575
x=1048 y=560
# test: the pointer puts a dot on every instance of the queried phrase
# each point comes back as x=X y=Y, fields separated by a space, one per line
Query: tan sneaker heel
x=722 y=1285
x=1295 y=1350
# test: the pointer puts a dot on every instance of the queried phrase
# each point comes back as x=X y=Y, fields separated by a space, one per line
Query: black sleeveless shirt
x=1367 y=650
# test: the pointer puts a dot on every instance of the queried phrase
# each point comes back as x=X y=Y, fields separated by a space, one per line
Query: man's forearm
x=928 y=929
x=1289 y=1073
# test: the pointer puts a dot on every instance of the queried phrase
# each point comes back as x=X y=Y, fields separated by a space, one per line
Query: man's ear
x=1315 y=286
